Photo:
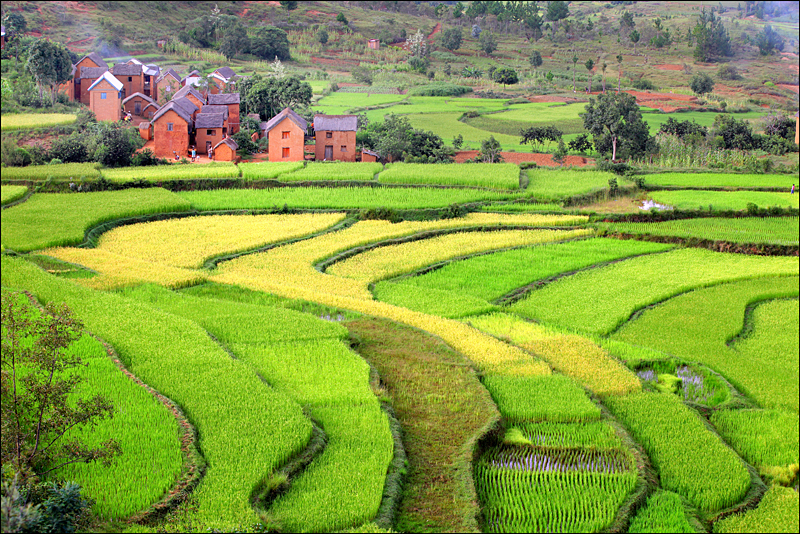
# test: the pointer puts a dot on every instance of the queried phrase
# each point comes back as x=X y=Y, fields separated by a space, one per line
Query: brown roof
x=92 y=72
x=223 y=98
x=140 y=95
x=186 y=104
x=94 y=56
x=215 y=109
x=286 y=113
x=169 y=72
x=335 y=123
x=151 y=105
x=228 y=141
x=209 y=120
x=225 y=72
x=188 y=90
x=177 y=109
x=125 y=69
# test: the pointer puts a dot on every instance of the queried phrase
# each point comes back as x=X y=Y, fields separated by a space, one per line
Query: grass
x=447 y=126
x=711 y=180
x=59 y=172
x=596 y=434
x=664 y=512
x=761 y=365
x=755 y=230
x=491 y=175
x=522 y=207
x=430 y=300
x=10 y=193
x=26 y=121
x=724 y=201
x=268 y=171
x=60 y=219
x=778 y=511
x=600 y=300
x=334 y=171
x=553 y=185
x=193 y=171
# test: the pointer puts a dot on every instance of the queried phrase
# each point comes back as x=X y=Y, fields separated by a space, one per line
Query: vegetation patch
x=11 y=193
x=334 y=171
x=25 y=121
x=160 y=173
x=724 y=201
x=59 y=171
x=268 y=171
x=491 y=175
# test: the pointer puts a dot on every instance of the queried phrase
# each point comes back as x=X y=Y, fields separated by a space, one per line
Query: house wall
x=294 y=143
x=82 y=93
x=197 y=102
x=108 y=109
x=233 y=118
x=368 y=158
x=224 y=153
x=348 y=139
x=166 y=142
x=130 y=105
x=136 y=85
x=202 y=138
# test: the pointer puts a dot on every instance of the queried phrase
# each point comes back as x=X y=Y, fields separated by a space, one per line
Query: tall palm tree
x=589 y=66
x=574 y=62
x=619 y=79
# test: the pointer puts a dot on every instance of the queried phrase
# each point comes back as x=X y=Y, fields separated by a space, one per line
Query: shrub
x=701 y=83
x=440 y=89
x=643 y=85
x=728 y=72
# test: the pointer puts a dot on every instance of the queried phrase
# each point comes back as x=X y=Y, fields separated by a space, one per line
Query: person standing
x=792 y=192
x=194 y=154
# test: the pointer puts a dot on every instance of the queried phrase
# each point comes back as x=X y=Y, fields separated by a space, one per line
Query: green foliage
x=333 y=171
x=234 y=41
x=270 y=42
x=322 y=37
x=115 y=144
x=451 y=38
x=557 y=10
x=554 y=398
x=44 y=507
x=269 y=96
x=778 y=511
x=711 y=37
x=535 y=59
x=768 y=40
x=490 y=151
x=616 y=123
x=161 y=173
x=487 y=42
x=688 y=200
x=664 y=512
x=341 y=18
x=61 y=172
x=581 y=144
x=50 y=65
x=701 y=83
x=502 y=176
x=440 y=89
x=268 y=171
x=683 y=128
x=395 y=138
x=727 y=71
x=362 y=75
x=505 y=76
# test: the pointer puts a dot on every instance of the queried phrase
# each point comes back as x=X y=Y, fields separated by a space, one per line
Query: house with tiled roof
x=132 y=77
x=286 y=132
x=169 y=82
x=192 y=94
x=210 y=129
x=172 y=127
x=105 y=97
x=149 y=110
x=231 y=100
x=135 y=104
x=80 y=85
x=335 y=137
x=225 y=78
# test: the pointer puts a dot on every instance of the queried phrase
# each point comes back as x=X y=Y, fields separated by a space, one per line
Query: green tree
x=535 y=59
x=487 y=42
x=115 y=144
x=289 y=4
x=490 y=151
x=557 y=10
x=362 y=75
x=626 y=22
x=712 y=38
x=768 y=40
x=234 y=42
x=458 y=10
x=616 y=123
x=50 y=65
x=634 y=37
x=322 y=36
x=269 y=96
x=589 y=66
x=574 y=64
x=341 y=18
x=604 y=67
x=539 y=135
x=15 y=24
x=37 y=387
x=451 y=38
x=561 y=153
x=701 y=83
x=619 y=75
x=270 y=42
x=505 y=76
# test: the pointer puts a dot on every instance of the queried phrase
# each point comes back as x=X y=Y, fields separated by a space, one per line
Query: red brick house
x=287 y=134
x=172 y=127
x=131 y=76
x=192 y=94
x=225 y=150
x=86 y=78
x=225 y=78
x=105 y=97
x=136 y=104
x=80 y=85
x=209 y=130
x=335 y=137
x=231 y=100
x=218 y=109
x=369 y=156
x=168 y=82
x=150 y=110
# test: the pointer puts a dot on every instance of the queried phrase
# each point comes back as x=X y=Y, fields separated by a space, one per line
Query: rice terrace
x=471 y=266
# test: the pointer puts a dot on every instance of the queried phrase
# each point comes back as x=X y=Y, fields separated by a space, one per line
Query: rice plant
x=334 y=171
x=439 y=302
x=724 y=200
x=664 y=512
x=10 y=193
x=25 y=121
x=597 y=435
x=268 y=170
x=491 y=175
x=547 y=185
x=756 y=230
x=702 y=180
x=58 y=172
x=778 y=511
x=159 y=173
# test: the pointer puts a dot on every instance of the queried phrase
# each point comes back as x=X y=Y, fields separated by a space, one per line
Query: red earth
x=545 y=160
x=436 y=30
x=315 y=12
x=669 y=67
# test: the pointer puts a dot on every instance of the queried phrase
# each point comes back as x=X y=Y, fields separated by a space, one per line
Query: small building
x=146 y=130
x=192 y=94
x=81 y=85
x=231 y=100
x=374 y=44
x=191 y=79
x=225 y=78
x=167 y=83
x=136 y=104
x=132 y=77
x=369 y=155
x=150 y=110
x=86 y=78
x=209 y=130
x=105 y=97
x=172 y=126
x=335 y=137
x=287 y=136
x=225 y=150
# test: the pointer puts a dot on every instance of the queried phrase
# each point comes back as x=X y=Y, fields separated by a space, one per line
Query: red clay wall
x=348 y=139
x=294 y=143
x=202 y=138
x=166 y=143
x=233 y=118
x=108 y=109
x=83 y=94
x=130 y=105
x=224 y=153
x=136 y=85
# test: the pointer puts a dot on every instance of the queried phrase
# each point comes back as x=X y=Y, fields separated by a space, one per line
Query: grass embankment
x=10 y=193
x=26 y=121
x=442 y=408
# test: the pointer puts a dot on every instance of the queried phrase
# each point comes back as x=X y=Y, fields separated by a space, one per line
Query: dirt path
x=545 y=160
x=436 y=30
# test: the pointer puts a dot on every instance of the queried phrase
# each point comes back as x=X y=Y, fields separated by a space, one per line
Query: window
x=130 y=78
x=285 y=152
x=211 y=132
x=169 y=126
x=344 y=148
x=102 y=96
x=284 y=135
x=328 y=135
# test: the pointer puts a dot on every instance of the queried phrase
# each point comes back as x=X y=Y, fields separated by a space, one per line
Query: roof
x=209 y=120
x=370 y=152
x=92 y=72
x=215 y=109
x=193 y=74
x=125 y=69
x=144 y=125
x=336 y=123
x=140 y=95
x=110 y=79
x=223 y=98
x=151 y=105
x=177 y=109
x=169 y=72
x=226 y=72
x=94 y=56
x=188 y=90
x=286 y=113
x=133 y=61
x=228 y=141
x=185 y=104
x=151 y=69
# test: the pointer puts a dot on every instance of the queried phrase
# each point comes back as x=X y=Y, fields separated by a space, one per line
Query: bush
x=728 y=72
x=146 y=158
x=701 y=83
x=643 y=85
x=72 y=148
x=440 y=89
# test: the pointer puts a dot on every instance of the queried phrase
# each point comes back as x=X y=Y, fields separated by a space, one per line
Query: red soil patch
x=524 y=157
x=661 y=96
x=551 y=98
x=86 y=41
x=436 y=30
x=669 y=67
x=788 y=87
x=790 y=54
x=315 y=12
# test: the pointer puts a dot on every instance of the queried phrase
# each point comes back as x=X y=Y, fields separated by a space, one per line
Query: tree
x=115 y=144
x=619 y=76
x=626 y=22
x=451 y=38
x=616 y=123
x=557 y=10
x=581 y=144
x=561 y=153
x=269 y=96
x=458 y=141
x=417 y=45
x=535 y=59
x=289 y=4
x=589 y=66
x=505 y=76
x=15 y=24
x=605 y=66
x=458 y=10
x=50 y=65
x=768 y=40
x=488 y=42
x=341 y=18
x=362 y=75
x=476 y=31
x=574 y=63
x=396 y=139
x=701 y=83
x=490 y=151
x=711 y=37
x=234 y=42
x=37 y=385
x=270 y=42
x=539 y=135
x=634 y=36
x=730 y=133
x=322 y=36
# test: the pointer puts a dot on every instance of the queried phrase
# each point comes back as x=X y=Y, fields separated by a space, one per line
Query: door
x=208 y=147
x=329 y=152
x=137 y=108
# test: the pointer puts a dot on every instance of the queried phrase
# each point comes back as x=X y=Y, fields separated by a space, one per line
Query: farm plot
x=576 y=356
x=334 y=171
x=756 y=230
x=268 y=171
x=25 y=121
x=778 y=511
x=664 y=512
x=10 y=193
x=763 y=365
x=598 y=435
x=600 y=300
x=160 y=173
x=428 y=300
x=148 y=434
x=521 y=207
x=188 y=242
x=50 y=220
x=723 y=200
x=553 y=185
x=392 y=260
x=59 y=172
x=553 y=398
x=712 y=180
x=690 y=459
x=231 y=408
x=491 y=175
x=339 y=198
x=520 y=116
x=447 y=126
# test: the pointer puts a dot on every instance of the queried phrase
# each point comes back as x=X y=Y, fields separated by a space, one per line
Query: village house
x=131 y=76
x=136 y=104
x=335 y=137
x=225 y=78
x=369 y=156
x=287 y=136
x=231 y=100
x=151 y=74
x=172 y=128
x=225 y=150
x=168 y=82
x=192 y=94
x=191 y=79
x=81 y=80
x=209 y=130
x=150 y=110
x=105 y=97
x=218 y=109
x=374 y=44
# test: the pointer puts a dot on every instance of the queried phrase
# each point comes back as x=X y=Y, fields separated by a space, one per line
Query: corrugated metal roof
x=140 y=95
x=110 y=79
x=92 y=72
x=223 y=98
x=127 y=70
x=286 y=113
x=209 y=120
x=335 y=123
